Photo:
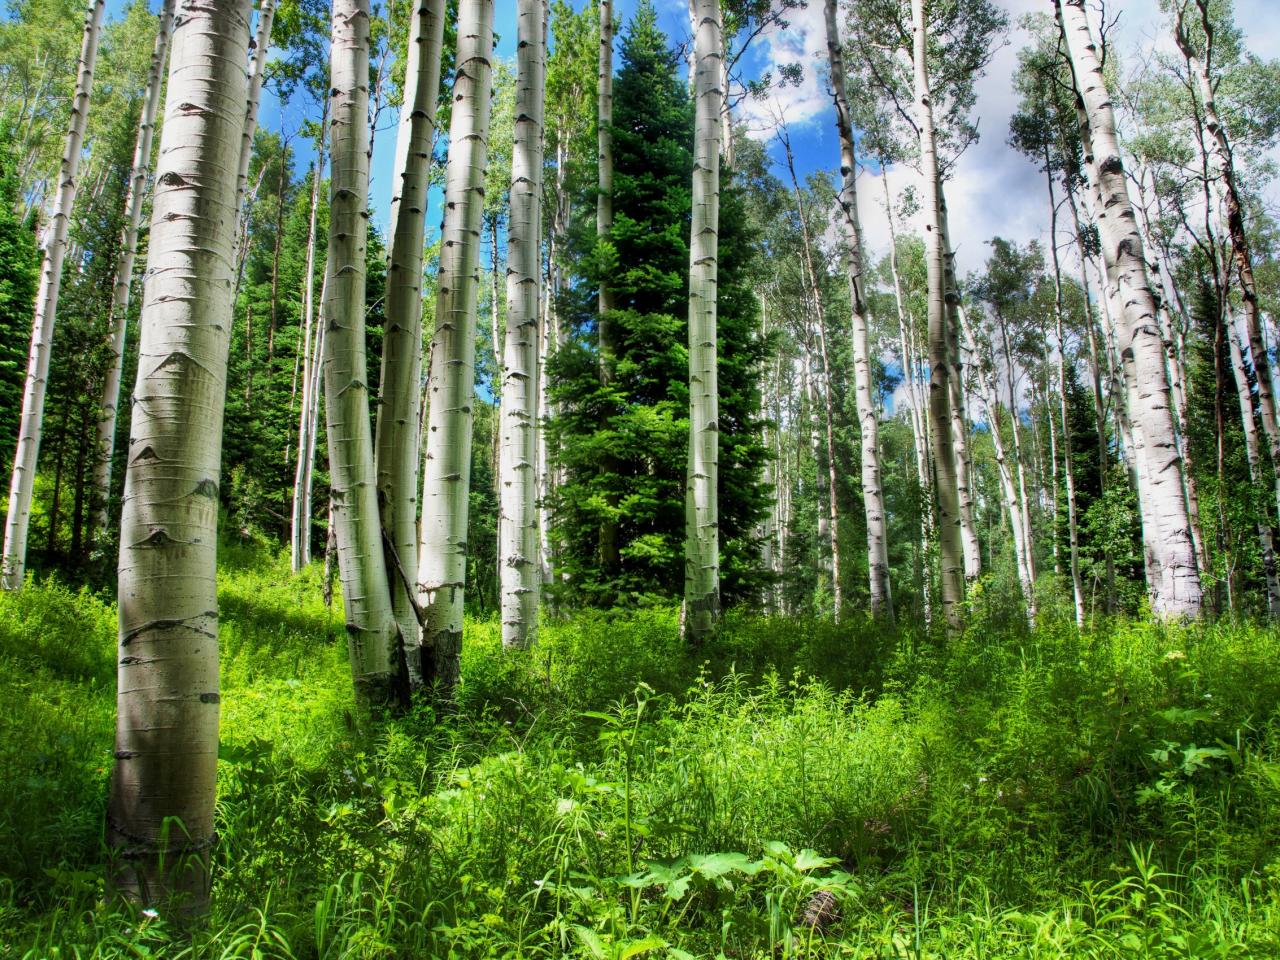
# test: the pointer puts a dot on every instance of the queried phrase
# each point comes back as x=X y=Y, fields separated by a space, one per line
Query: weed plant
x=794 y=789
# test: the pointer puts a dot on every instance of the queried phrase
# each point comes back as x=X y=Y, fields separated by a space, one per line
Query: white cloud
x=804 y=41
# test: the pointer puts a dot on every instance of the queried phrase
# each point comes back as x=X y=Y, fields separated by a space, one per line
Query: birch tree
x=872 y=494
x=160 y=819
x=257 y=75
x=26 y=459
x=1175 y=590
x=518 y=515
x=446 y=483
x=373 y=641
x=702 y=527
x=397 y=450
x=122 y=289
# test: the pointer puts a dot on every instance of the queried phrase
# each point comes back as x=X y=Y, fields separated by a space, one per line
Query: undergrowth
x=796 y=788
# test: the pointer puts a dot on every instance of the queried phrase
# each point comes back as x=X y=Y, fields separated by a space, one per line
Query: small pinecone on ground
x=821 y=912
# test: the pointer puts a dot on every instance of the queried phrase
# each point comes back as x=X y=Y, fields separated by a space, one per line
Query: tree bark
x=702 y=513
x=518 y=517
x=397 y=454
x=257 y=75
x=868 y=418
x=446 y=482
x=27 y=458
x=944 y=457
x=1177 y=591
x=372 y=633
x=122 y=288
x=160 y=819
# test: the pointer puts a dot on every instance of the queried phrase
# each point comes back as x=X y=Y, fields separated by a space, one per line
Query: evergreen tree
x=623 y=445
x=19 y=272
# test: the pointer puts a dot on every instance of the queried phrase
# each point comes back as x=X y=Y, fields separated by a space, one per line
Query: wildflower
x=150 y=913
x=1175 y=655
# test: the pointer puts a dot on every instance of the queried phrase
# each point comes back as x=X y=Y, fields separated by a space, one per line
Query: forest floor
x=796 y=789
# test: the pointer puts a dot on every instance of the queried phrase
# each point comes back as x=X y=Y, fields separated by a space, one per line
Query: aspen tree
x=27 y=458
x=397 y=443
x=375 y=652
x=160 y=819
x=868 y=419
x=446 y=479
x=702 y=523
x=518 y=517
x=944 y=458
x=1175 y=589
x=257 y=75
x=117 y=323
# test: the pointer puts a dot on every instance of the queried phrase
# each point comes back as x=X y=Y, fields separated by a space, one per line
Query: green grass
x=613 y=794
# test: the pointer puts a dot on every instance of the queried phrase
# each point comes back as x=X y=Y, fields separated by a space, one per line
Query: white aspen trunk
x=604 y=178
x=396 y=452
x=869 y=421
x=1177 y=592
x=518 y=517
x=951 y=550
x=1020 y=504
x=702 y=512
x=446 y=480
x=122 y=288
x=27 y=457
x=257 y=75
x=1266 y=537
x=160 y=818
x=371 y=625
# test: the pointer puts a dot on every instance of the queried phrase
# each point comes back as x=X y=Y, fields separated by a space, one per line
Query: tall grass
x=613 y=793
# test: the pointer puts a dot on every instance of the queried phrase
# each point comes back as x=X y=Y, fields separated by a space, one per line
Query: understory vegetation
x=797 y=788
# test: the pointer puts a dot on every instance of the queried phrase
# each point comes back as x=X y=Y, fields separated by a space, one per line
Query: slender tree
x=869 y=421
x=1175 y=589
x=446 y=481
x=257 y=75
x=518 y=517
x=26 y=459
x=397 y=452
x=702 y=522
x=371 y=626
x=160 y=820
x=117 y=322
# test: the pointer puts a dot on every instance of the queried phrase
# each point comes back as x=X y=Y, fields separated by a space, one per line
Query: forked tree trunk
x=518 y=517
x=118 y=319
x=160 y=819
x=869 y=421
x=26 y=459
x=446 y=481
x=702 y=512
x=945 y=467
x=397 y=452
x=257 y=75
x=1177 y=591
x=372 y=634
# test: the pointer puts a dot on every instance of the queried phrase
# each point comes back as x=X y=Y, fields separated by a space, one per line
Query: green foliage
x=19 y=272
x=796 y=789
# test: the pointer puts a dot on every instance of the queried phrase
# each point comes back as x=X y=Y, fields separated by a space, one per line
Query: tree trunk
x=702 y=513
x=118 y=318
x=518 y=517
x=944 y=456
x=446 y=482
x=397 y=453
x=257 y=74
x=371 y=625
x=872 y=491
x=160 y=820
x=27 y=457
x=1177 y=592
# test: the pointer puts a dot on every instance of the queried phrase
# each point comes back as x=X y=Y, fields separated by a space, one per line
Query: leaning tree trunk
x=376 y=656
x=872 y=491
x=702 y=513
x=397 y=451
x=1177 y=592
x=160 y=820
x=25 y=460
x=945 y=465
x=446 y=481
x=518 y=516
x=118 y=319
x=257 y=75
